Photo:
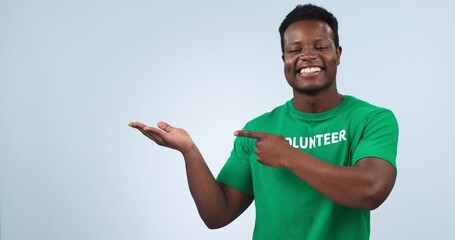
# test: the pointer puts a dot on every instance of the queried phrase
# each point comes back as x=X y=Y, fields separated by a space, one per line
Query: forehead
x=308 y=30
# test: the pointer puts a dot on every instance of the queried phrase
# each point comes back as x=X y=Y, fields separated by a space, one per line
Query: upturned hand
x=166 y=135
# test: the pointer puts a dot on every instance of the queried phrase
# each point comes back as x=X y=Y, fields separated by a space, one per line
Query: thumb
x=165 y=126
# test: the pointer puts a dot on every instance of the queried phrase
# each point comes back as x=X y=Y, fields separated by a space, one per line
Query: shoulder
x=366 y=110
x=370 y=120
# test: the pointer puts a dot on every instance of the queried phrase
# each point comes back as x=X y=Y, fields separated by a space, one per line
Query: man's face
x=310 y=56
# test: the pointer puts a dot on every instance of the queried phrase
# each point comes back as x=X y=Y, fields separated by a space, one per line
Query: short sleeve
x=379 y=137
x=236 y=173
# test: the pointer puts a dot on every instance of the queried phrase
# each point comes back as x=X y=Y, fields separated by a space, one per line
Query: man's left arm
x=365 y=185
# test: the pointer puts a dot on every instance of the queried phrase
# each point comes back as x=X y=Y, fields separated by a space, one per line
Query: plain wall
x=74 y=73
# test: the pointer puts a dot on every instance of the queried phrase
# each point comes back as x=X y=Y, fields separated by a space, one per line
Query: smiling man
x=314 y=166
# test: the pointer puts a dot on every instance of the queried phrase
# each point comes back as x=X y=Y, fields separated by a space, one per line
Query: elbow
x=211 y=224
x=371 y=203
x=374 y=196
x=214 y=221
x=375 y=183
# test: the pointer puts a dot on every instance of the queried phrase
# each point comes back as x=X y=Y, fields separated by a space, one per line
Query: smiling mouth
x=307 y=70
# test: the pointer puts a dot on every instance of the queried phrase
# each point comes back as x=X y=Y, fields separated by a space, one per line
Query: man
x=316 y=165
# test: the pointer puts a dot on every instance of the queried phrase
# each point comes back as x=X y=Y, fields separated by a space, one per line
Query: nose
x=307 y=54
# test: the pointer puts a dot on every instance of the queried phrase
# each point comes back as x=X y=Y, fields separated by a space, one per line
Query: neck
x=316 y=103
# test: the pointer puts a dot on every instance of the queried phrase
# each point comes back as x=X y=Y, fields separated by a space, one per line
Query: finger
x=256 y=151
x=157 y=138
x=155 y=131
x=259 y=159
x=165 y=126
x=249 y=134
x=137 y=125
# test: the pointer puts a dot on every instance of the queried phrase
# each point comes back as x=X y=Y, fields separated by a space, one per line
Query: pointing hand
x=271 y=150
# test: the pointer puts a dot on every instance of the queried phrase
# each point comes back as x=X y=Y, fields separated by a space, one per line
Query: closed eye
x=321 y=48
x=294 y=51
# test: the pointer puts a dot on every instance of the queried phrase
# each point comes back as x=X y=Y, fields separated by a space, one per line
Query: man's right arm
x=217 y=204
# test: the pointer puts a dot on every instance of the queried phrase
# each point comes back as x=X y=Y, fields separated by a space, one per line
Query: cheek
x=335 y=59
x=288 y=67
x=332 y=61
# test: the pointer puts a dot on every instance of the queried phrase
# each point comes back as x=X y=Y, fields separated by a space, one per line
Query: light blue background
x=74 y=73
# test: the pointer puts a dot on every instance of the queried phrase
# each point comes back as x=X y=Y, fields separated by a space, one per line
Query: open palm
x=166 y=135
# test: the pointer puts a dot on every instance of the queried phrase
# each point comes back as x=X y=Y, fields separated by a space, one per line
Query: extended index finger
x=249 y=134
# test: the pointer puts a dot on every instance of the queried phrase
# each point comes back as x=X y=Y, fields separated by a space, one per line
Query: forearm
x=206 y=191
x=356 y=187
x=217 y=204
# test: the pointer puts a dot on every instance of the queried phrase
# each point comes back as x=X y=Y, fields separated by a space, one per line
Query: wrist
x=189 y=151
x=291 y=158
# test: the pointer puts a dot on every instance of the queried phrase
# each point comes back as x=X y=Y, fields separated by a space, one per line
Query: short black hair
x=309 y=12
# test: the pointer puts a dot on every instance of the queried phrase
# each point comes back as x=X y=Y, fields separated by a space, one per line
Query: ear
x=338 y=52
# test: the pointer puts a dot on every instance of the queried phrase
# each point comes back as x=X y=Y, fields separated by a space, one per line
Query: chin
x=308 y=91
x=311 y=90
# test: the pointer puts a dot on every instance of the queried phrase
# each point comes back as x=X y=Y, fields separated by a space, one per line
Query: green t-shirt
x=286 y=206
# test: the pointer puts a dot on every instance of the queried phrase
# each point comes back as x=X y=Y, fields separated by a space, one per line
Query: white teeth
x=310 y=70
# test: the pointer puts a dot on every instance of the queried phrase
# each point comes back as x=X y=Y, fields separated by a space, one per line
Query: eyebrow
x=317 y=40
x=323 y=39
